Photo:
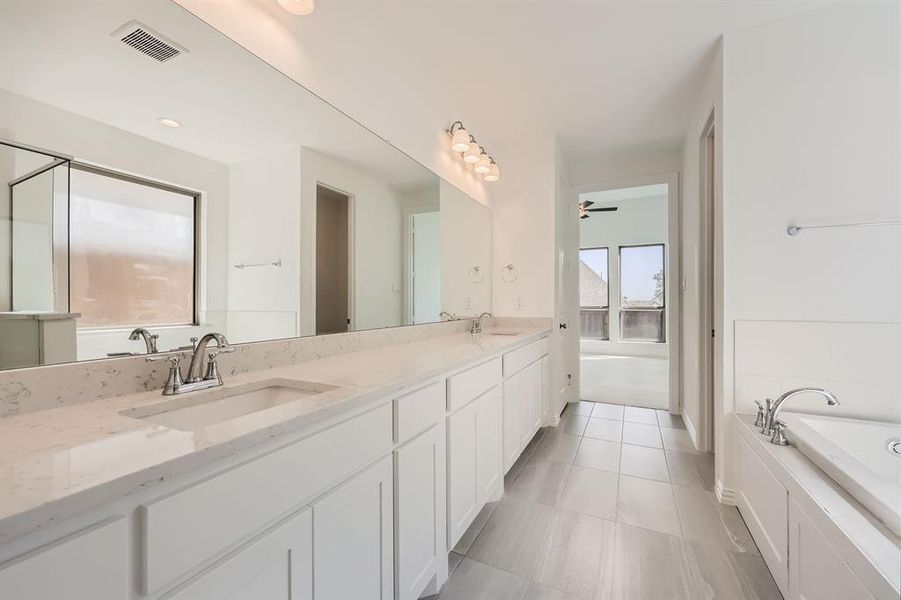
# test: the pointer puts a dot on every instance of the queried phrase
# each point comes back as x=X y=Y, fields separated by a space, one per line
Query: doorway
x=629 y=345
x=424 y=275
x=333 y=235
x=707 y=281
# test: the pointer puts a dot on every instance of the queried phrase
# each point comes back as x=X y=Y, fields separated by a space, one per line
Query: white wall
x=465 y=243
x=264 y=226
x=378 y=243
x=637 y=221
x=811 y=130
x=625 y=164
x=90 y=141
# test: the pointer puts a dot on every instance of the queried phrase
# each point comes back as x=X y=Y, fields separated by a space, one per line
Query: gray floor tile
x=575 y=551
x=580 y=408
x=667 y=419
x=453 y=561
x=541 y=482
x=635 y=414
x=704 y=519
x=607 y=411
x=537 y=591
x=598 y=454
x=642 y=435
x=718 y=574
x=590 y=492
x=604 y=429
x=641 y=461
x=677 y=439
x=513 y=535
x=469 y=536
x=523 y=459
x=556 y=447
x=691 y=469
x=574 y=425
x=648 y=504
x=476 y=581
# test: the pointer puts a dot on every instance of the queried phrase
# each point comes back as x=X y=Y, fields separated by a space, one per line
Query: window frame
x=196 y=256
x=661 y=308
x=607 y=307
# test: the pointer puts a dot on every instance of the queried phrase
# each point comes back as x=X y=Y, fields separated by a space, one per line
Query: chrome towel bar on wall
x=276 y=263
x=794 y=230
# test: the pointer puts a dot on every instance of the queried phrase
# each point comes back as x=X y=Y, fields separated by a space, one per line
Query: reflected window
x=594 y=305
x=132 y=251
x=642 y=290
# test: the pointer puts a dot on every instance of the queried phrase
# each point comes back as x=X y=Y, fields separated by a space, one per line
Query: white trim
x=725 y=495
x=673 y=249
x=706 y=281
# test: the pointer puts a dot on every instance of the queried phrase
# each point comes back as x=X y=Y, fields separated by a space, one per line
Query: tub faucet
x=770 y=422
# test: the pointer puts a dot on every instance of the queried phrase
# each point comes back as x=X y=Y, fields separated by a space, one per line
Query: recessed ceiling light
x=298 y=7
x=169 y=122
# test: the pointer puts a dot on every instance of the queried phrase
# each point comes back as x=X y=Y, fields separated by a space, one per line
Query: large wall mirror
x=156 y=179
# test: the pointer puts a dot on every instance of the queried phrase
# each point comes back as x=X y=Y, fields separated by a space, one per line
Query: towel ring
x=476 y=275
x=509 y=274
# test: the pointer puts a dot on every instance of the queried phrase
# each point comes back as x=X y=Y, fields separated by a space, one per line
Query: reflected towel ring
x=509 y=274
x=476 y=275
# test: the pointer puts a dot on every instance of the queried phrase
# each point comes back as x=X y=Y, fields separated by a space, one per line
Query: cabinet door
x=513 y=393
x=489 y=465
x=462 y=497
x=763 y=503
x=92 y=565
x=533 y=404
x=276 y=566
x=354 y=538
x=420 y=542
x=816 y=571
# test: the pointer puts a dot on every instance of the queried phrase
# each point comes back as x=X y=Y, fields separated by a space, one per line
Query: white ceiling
x=232 y=105
x=605 y=75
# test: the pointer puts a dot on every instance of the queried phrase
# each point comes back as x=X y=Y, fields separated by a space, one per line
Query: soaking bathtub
x=864 y=457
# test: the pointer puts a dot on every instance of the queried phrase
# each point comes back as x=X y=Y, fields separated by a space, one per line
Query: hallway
x=627 y=380
x=612 y=504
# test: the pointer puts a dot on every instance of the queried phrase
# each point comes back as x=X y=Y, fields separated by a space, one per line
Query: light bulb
x=169 y=122
x=484 y=164
x=493 y=174
x=472 y=154
x=298 y=7
x=460 y=141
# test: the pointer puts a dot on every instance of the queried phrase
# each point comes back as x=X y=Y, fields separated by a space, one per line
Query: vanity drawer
x=417 y=411
x=468 y=385
x=519 y=359
x=187 y=528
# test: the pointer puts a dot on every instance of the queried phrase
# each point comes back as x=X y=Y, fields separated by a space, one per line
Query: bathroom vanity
x=358 y=488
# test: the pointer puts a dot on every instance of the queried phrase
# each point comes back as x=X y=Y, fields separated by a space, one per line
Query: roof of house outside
x=592 y=287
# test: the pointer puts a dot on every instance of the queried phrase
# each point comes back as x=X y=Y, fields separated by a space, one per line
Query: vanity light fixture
x=298 y=7
x=465 y=143
x=169 y=122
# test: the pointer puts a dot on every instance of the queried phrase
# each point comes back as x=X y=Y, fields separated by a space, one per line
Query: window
x=593 y=298
x=642 y=291
x=132 y=251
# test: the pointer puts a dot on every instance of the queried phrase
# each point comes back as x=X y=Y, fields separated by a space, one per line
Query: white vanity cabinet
x=89 y=565
x=277 y=566
x=353 y=538
x=763 y=502
x=474 y=461
x=524 y=392
x=816 y=571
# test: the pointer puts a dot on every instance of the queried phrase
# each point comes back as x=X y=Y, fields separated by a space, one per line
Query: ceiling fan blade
x=586 y=203
x=584 y=217
x=606 y=209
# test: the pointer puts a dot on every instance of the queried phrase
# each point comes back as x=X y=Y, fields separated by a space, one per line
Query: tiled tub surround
x=852 y=554
x=64 y=461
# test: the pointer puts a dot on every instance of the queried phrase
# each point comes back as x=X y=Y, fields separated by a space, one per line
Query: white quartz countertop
x=65 y=461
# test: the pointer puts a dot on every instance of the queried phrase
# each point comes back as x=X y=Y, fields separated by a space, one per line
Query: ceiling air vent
x=149 y=42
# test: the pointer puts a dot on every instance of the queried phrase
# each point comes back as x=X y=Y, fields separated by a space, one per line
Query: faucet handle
x=174 y=359
x=174 y=380
x=779 y=434
x=761 y=415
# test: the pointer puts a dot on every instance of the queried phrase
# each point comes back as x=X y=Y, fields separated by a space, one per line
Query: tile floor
x=631 y=380
x=611 y=505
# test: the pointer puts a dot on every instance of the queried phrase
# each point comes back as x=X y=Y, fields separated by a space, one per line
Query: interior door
x=332 y=261
x=426 y=266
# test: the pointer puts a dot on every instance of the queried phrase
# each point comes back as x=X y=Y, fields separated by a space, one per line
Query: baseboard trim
x=725 y=495
x=692 y=432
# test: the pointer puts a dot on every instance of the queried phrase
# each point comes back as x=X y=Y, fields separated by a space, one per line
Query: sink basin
x=503 y=332
x=196 y=410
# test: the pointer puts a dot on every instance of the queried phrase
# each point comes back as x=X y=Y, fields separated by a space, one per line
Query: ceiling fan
x=584 y=210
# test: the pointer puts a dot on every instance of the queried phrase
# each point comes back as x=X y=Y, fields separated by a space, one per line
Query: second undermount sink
x=196 y=410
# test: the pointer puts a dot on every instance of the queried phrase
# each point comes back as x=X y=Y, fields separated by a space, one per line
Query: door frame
x=408 y=235
x=707 y=283
x=351 y=269
x=672 y=261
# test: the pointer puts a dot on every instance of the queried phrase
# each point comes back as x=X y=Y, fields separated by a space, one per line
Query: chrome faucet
x=450 y=316
x=770 y=423
x=176 y=384
x=476 y=326
x=149 y=339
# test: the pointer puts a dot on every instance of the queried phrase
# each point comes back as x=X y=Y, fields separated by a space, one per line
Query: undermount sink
x=503 y=332
x=196 y=410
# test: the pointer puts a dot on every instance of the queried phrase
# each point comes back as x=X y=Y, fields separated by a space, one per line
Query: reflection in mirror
x=149 y=199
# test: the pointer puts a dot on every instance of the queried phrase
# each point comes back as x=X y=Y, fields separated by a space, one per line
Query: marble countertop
x=65 y=461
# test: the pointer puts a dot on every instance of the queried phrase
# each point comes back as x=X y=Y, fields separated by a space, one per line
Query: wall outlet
x=519 y=303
